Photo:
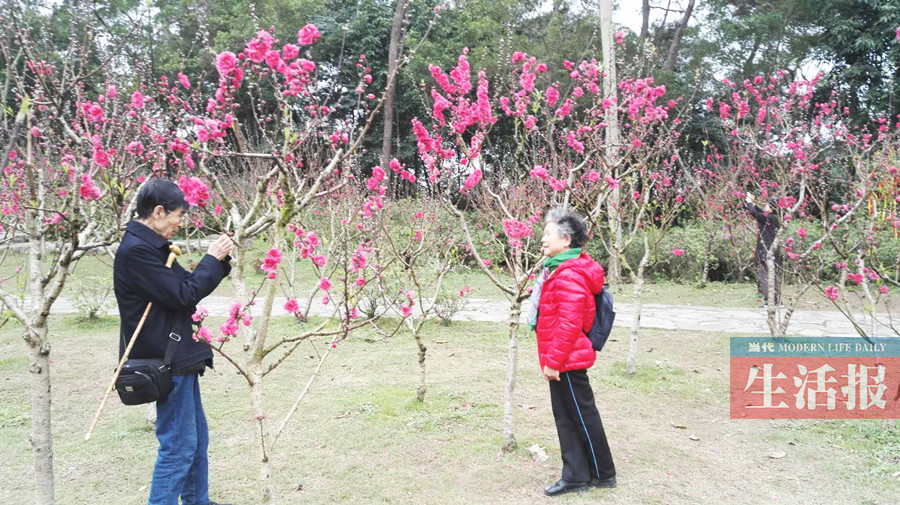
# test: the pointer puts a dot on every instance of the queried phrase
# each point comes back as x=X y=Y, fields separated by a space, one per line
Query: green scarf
x=568 y=254
x=549 y=266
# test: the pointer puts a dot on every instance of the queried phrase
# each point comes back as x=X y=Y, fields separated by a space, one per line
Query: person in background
x=140 y=276
x=562 y=311
x=768 y=225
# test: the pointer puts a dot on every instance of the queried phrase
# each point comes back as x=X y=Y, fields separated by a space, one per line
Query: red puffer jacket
x=565 y=312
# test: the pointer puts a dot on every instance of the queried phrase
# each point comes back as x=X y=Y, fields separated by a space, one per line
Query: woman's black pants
x=582 y=441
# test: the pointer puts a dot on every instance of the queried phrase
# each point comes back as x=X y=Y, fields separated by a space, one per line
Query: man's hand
x=750 y=197
x=551 y=374
x=220 y=248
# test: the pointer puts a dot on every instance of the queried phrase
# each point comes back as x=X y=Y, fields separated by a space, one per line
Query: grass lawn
x=361 y=437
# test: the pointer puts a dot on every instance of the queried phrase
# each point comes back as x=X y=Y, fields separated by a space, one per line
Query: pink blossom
x=360 y=282
x=319 y=260
x=203 y=335
x=290 y=51
x=565 y=109
x=593 y=176
x=307 y=35
x=612 y=182
x=101 y=157
x=539 y=173
x=135 y=148
x=35 y=132
x=461 y=75
x=87 y=190
x=677 y=252
x=324 y=284
x=183 y=79
x=325 y=300
x=472 y=180
x=856 y=278
x=259 y=46
x=226 y=62
x=526 y=80
x=292 y=306
x=94 y=112
x=801 y=232
x=552 y=96
x=883 y=290
x=406 y=311
x=196 y=193
x=377 y=176
x=200 y=314
x=832 y=293
x=271 y=261
x=557 y=184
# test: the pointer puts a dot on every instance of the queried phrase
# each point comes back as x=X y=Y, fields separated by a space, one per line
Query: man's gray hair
x=568 y=224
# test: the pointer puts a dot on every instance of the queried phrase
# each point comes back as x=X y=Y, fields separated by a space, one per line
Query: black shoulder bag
x=148 y=380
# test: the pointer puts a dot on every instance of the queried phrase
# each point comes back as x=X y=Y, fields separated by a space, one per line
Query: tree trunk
x=394 y=50
x=41 y=433
x=256 y=402
x=676 y=40
x=638 y=297
x=420 y=390
x=645 y=21
x=614 y=268
x=707 y=254
x=772 y=315
x=509 y=437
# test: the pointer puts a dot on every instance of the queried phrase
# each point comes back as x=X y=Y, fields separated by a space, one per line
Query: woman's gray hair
x=568 y=224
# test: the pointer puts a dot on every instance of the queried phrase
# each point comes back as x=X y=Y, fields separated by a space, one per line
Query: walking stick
x=173 y=252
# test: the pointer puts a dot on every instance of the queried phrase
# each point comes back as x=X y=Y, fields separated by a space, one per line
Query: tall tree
x=394 y=51
x=676 y=38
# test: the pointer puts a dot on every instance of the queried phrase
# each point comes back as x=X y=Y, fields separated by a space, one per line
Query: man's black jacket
x=140 y=276
x=768 y=228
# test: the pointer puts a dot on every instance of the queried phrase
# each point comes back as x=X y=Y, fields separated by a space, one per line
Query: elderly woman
x=563 y=313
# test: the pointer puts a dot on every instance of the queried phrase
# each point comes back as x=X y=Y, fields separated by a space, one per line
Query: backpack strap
x=174 y=340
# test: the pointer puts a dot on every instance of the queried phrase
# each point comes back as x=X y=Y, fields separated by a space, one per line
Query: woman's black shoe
x=562 y=487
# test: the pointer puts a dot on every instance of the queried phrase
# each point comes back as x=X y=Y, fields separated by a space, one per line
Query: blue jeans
x=181 y=465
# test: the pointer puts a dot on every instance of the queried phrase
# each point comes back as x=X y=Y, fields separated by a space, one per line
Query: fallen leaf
x=695 y=370
x=527 y=407
x=650 y=349
x=441 y=341
x=777 y=455
x=679 y=426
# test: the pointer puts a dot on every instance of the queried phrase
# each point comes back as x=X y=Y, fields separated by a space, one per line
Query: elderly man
x=140 y=276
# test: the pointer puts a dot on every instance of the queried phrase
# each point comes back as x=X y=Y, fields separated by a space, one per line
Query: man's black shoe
x=562 y=487
x=610 y=482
